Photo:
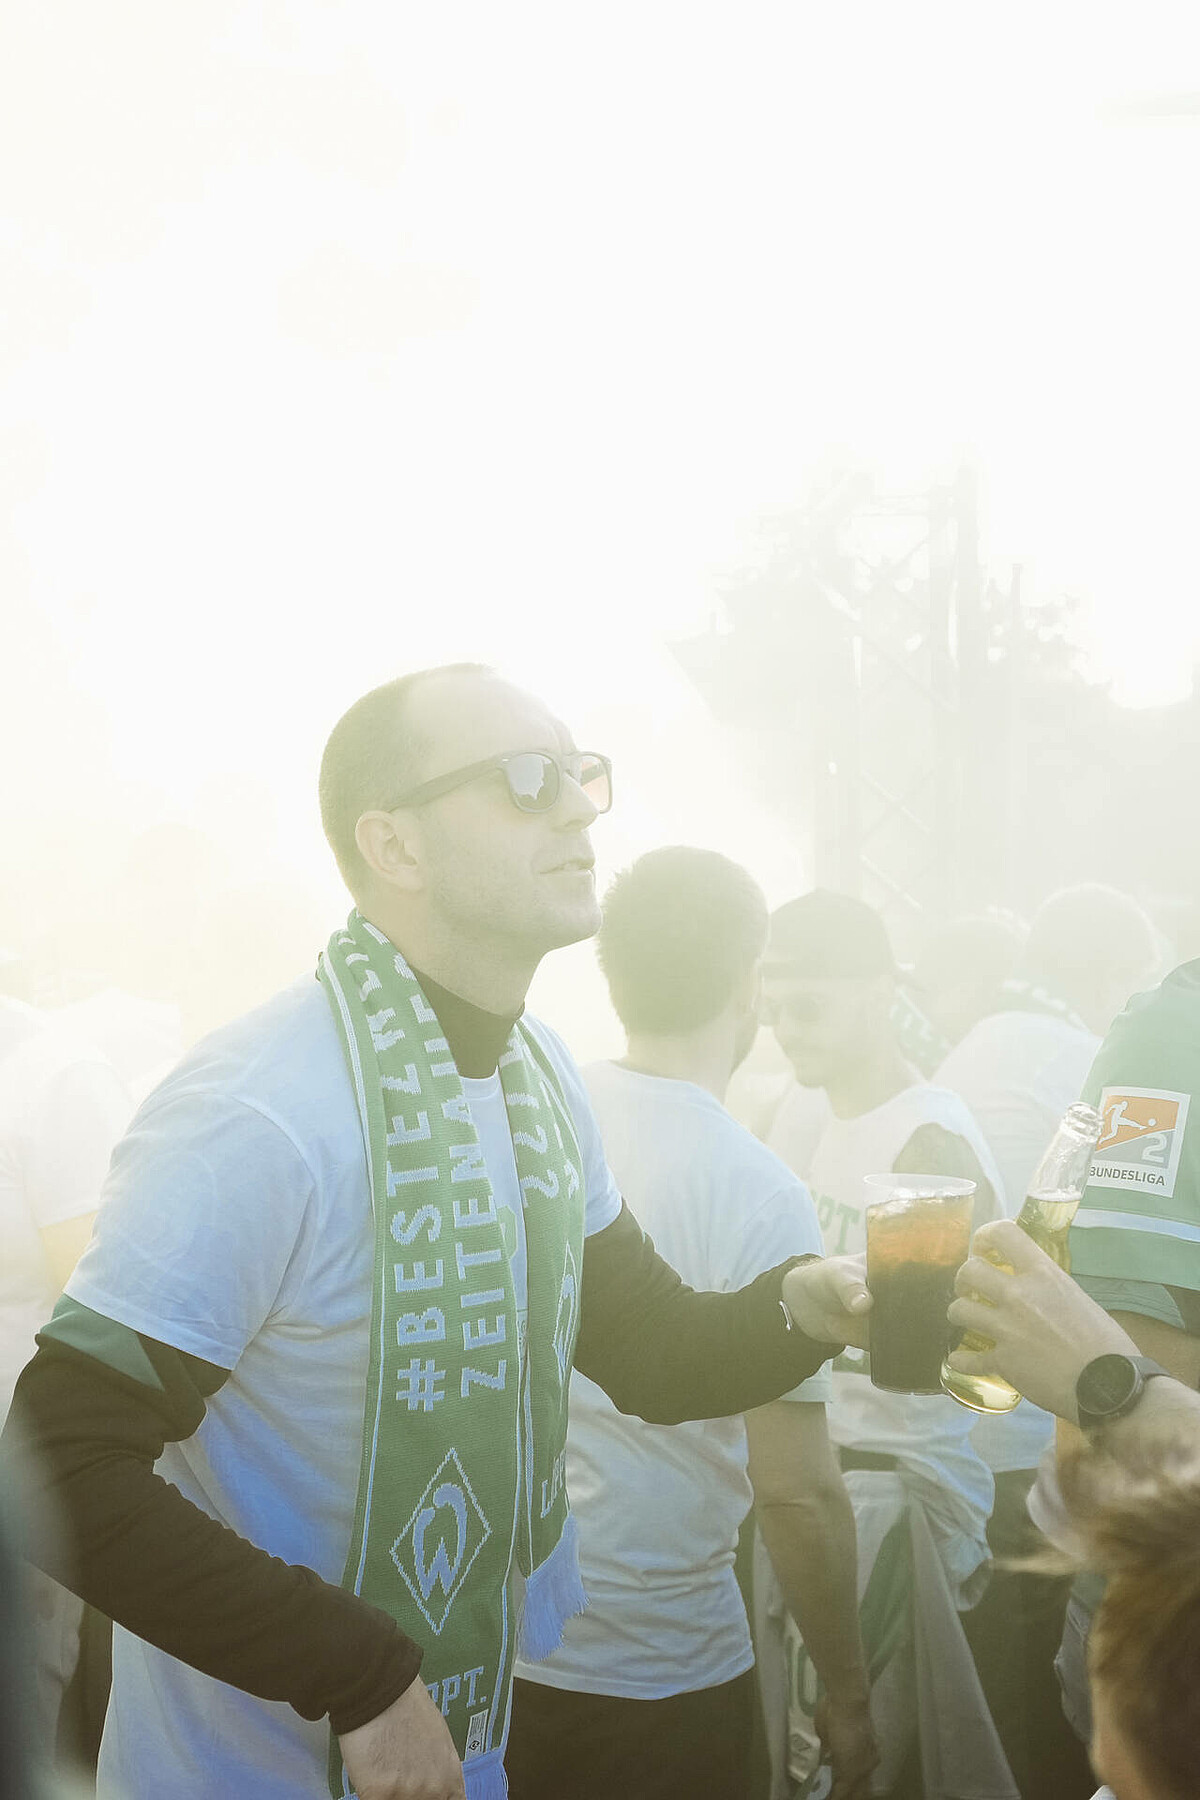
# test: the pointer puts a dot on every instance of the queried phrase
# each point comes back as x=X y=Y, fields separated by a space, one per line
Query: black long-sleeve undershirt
x=164 y=1569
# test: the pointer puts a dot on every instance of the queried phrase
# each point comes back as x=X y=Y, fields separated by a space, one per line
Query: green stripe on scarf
x=464 y=1428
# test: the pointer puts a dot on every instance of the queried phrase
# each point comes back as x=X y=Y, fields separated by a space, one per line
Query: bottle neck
x=1046 y=1218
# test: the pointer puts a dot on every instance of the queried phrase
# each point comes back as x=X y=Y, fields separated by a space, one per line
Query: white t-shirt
x=793 y=1128
x=236 y=1225
x=1018 y=1072
x=62 y=1108
x=928 y=1433
x=659 y=1506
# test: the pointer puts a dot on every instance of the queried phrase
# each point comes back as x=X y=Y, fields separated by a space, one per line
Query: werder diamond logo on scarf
x=465 y=1421
x=441 y=1540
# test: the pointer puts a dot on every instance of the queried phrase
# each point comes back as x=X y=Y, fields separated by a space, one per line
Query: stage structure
x=871 y=674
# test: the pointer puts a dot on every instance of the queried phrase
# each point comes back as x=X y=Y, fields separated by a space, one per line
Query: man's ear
x=389 y=843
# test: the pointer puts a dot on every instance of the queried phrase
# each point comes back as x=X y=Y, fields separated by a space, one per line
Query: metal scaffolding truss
x=874 y=612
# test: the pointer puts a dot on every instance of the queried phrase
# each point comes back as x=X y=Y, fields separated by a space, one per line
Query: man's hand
x=828 y=1300
x=1044 y=1327
x=406 y=1753
x=848 y=1738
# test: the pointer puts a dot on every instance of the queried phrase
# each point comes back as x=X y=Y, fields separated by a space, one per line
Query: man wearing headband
x=303 y=1406
x=921 y=1494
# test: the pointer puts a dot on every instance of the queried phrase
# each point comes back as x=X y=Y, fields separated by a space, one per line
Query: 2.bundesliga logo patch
x=1141 y=1142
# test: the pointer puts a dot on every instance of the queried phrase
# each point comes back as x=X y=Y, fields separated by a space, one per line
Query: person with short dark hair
x=654 y=1681
x=681 y=932
x=920 y=1492
x=303 y=1405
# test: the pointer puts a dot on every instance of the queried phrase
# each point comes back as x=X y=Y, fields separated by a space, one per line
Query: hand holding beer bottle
x=1051 y=1204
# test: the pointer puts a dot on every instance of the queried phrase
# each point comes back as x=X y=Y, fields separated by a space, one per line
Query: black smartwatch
x=1111 y=1386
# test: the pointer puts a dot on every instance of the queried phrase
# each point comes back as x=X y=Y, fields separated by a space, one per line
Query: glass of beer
x=1050 y=1206
x=918 y=1235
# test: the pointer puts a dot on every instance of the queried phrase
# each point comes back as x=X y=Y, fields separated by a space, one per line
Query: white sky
x=342 y=338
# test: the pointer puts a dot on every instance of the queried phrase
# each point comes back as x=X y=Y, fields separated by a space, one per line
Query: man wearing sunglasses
x=348 y=1254
x=920 y=1492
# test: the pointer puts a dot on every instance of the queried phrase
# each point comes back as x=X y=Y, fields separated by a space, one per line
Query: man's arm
x=1176 y=1350
x=666 y=1353
x=932 y=1150
x=134 y=1547
x=1168 y=1414
x=807 y=1524
x=88 y=1437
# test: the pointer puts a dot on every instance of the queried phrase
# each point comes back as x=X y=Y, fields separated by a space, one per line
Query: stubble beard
x=522 y=933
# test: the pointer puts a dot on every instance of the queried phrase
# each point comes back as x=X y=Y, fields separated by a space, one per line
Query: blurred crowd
x=844 y=1589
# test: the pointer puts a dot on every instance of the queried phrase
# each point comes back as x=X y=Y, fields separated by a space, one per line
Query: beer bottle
x=1050 y=1205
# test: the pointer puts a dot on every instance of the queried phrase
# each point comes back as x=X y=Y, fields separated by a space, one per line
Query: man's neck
x=703 y=1058
x=487 y=975
x=476 y=1038
x=869 y=1084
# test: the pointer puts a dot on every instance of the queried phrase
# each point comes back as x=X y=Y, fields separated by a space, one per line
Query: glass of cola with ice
x=918 y=1235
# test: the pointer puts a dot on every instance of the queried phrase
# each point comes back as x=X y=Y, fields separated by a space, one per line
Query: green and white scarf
x=464 y=1434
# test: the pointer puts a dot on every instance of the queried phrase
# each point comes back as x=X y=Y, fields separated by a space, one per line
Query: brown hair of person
x=1140 y=1522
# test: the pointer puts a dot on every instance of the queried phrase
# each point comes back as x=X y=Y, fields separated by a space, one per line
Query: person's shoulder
x=766 y=1211
x=1015 y=1046
x=936 y=1108
x=282 y=1060
x=936 y=1097
x=993 y=1058
x=1180 y=987
x=765 y=1177
x=1154 y=1016
x=975 y=1045
x=705 y=1133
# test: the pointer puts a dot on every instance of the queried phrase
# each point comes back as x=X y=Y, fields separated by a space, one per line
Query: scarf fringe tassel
x=554 y=1593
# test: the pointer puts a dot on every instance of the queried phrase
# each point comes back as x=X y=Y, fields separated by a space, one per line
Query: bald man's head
x=374 y=753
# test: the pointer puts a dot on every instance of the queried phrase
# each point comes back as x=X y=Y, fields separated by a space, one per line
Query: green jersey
x=1137 y=1232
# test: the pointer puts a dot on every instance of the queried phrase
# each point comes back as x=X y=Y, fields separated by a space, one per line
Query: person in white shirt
x=1018 y=1069
x=62 y=1109
x=953 y=981
x=650 y=1692
x=921 y=1493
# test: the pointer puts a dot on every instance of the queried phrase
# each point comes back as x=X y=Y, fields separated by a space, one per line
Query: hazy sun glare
x=344 y=338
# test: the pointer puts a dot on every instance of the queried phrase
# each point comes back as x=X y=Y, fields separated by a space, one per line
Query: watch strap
x=1145 y=1369
x=796 y=1262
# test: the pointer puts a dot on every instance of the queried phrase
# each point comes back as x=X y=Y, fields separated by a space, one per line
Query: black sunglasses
x=534 y=779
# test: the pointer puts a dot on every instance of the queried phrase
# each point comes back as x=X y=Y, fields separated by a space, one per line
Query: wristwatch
x=1111 y=1386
